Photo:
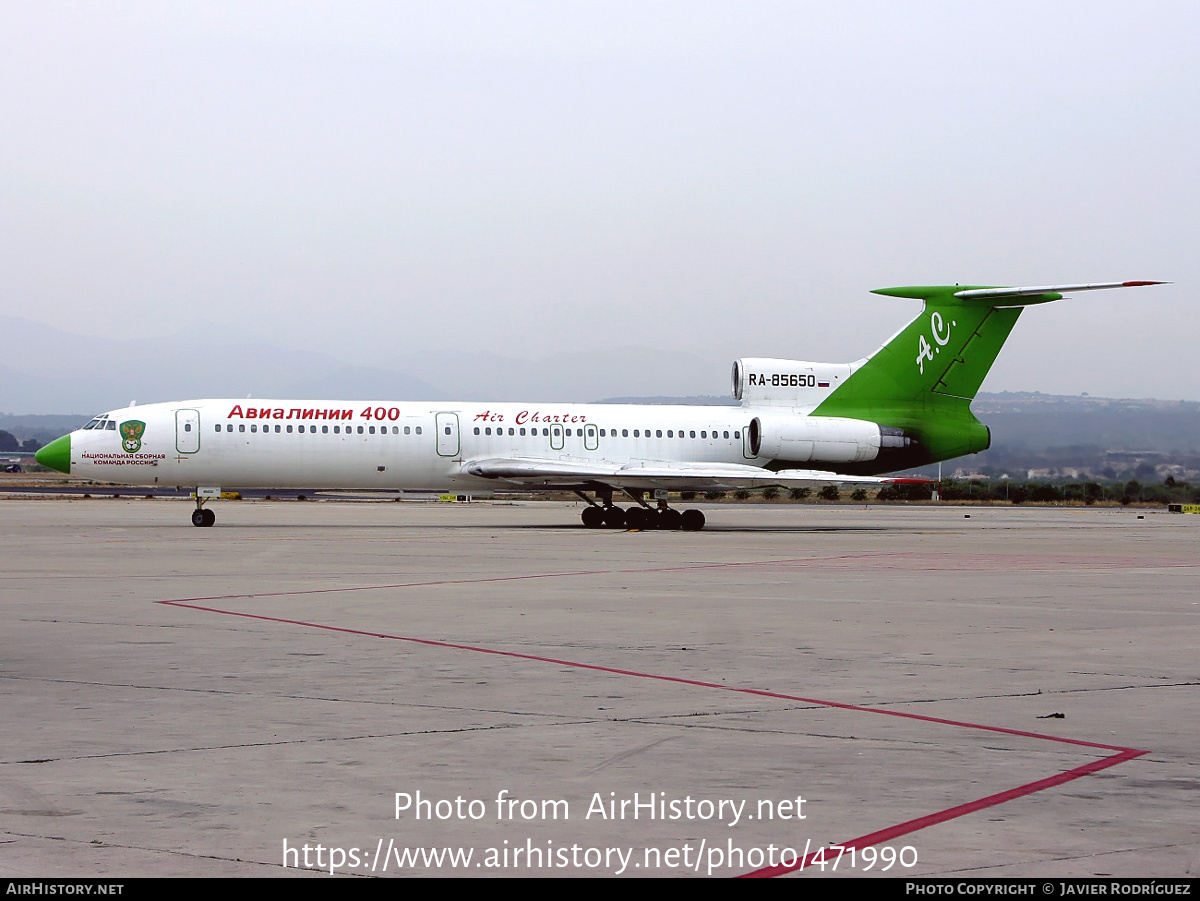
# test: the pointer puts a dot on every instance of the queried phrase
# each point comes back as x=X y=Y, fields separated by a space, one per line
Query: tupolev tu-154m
x=799 y=423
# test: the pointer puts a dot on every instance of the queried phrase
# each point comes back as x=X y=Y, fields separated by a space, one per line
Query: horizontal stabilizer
x=998 y=295
x=993 y=293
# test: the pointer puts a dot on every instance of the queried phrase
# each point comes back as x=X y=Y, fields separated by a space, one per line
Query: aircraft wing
x=536 y=472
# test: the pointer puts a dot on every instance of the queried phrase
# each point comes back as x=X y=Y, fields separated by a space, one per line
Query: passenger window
x=511 y=432
x=289 y=428
x=360 y=430
x=406 y=430
x=229 y=428
x=218 y=426
x=418 y=430
x=692 y=434
x=371 y=430
x=241 y=427
x=658 y=433
x=324 y=430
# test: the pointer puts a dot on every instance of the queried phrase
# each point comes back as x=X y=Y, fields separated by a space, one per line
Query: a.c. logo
x=131 y=435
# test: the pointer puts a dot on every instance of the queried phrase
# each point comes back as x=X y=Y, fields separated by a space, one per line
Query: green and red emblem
x=131 y=435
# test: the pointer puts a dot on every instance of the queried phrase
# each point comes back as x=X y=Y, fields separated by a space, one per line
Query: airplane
x=906 y=405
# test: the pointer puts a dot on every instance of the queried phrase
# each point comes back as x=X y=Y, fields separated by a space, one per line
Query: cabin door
x=447 y=434
x=187 y=431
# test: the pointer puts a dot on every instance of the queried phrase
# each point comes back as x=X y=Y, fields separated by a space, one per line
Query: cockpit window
x=101 y=422
x=112 y=425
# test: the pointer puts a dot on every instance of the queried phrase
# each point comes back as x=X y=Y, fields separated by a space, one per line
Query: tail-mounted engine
x=786 y=383
x=823 y=439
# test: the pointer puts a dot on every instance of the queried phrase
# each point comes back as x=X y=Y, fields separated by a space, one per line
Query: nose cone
x=56 y=455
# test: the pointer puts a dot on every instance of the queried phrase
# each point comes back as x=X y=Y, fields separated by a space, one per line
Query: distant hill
x=1037 y=421
x=47 y=369
x=42 y=428
x=44 y=368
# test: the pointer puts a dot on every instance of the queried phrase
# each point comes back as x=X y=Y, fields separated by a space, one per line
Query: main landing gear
x=643 y=518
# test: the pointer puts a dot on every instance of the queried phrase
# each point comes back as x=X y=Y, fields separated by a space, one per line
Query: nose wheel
x=203 y=518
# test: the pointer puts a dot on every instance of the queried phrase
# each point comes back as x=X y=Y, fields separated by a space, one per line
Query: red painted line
x=759 y=692
x=933 y=819
x=1121 y=754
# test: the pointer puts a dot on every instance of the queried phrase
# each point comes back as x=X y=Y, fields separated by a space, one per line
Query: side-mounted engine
x=824 y=439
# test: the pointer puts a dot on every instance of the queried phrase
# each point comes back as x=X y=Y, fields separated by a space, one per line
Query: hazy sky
x=728 y=179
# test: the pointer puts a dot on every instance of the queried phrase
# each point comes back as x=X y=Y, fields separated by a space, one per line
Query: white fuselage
x=361 y=445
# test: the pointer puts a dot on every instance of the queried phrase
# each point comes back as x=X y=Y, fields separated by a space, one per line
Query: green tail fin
x=924 y=378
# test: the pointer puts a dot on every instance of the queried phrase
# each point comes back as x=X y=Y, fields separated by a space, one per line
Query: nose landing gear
x=202 y=517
